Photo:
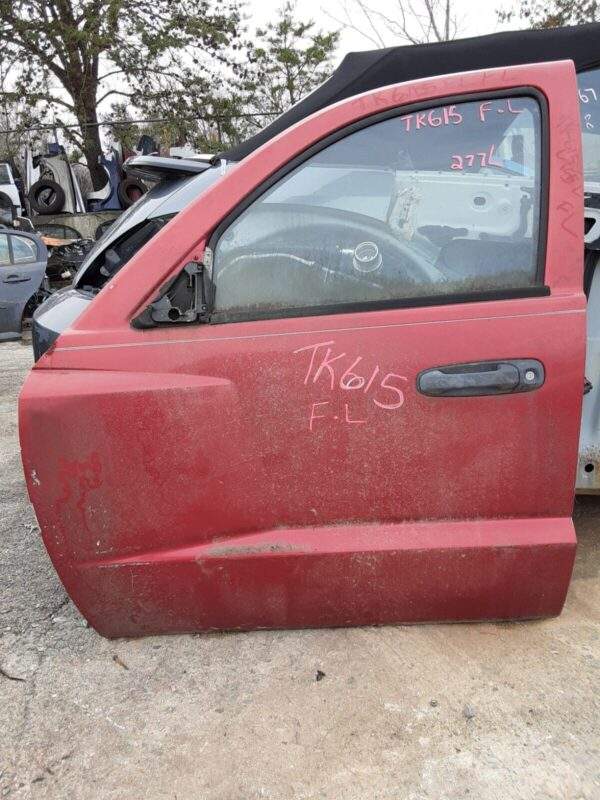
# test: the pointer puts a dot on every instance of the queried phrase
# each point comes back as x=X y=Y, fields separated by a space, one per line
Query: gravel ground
x=487 y=711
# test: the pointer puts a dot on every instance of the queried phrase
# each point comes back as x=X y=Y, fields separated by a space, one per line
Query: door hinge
x=195 y=271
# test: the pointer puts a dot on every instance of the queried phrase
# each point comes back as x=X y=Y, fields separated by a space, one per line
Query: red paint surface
x=184 y=478
x=347 y=575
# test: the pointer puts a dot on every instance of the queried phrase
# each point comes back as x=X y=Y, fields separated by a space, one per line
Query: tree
x=282 y=63
x=70 y=56
x=553 y=13
x=408 y=21
x=289 y=60
x=15 y=119
x=214 y=125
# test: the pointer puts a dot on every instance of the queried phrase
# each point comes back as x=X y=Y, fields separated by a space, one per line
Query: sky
x=474 y=17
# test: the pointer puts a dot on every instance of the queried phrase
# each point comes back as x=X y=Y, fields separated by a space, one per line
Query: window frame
x=537 y=289
x=8 y=247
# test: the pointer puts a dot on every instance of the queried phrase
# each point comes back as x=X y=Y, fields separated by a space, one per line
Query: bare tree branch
x=408 y=21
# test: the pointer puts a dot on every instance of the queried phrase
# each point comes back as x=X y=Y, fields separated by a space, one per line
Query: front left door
x=378 y=420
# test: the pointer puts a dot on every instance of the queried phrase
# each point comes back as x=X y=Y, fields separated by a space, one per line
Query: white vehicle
x=9 y=194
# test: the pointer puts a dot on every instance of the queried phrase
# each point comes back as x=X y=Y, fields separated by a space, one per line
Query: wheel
x=7 y=209
x=129 y=190
x=46 y=197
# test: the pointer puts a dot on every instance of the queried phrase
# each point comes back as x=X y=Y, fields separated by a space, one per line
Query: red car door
x=372 y=413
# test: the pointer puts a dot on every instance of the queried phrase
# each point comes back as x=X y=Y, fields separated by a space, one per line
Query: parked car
x=343 y=385
x=23 y=259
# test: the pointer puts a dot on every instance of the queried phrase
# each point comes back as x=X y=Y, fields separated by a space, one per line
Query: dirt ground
x=486 y=711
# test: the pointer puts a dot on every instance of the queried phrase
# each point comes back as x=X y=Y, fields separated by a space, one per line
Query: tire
x=7 y=210
x=46 y=197
x=129 y=190
x=5 y=201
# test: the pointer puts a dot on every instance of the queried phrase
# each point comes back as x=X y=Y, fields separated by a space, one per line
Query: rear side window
x=443 y=201
x=24 y=250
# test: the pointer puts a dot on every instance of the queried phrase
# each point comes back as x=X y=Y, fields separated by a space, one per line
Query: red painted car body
x=223 y=477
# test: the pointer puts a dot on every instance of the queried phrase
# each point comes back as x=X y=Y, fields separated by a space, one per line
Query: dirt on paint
x=426 y=712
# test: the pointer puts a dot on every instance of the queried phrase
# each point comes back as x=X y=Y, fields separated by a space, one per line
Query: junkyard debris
x=120 y=662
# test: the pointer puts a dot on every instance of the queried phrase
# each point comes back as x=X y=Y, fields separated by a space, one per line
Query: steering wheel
x=298 y=255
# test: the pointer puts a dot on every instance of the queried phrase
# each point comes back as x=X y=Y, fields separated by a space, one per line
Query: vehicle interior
x=391 y=213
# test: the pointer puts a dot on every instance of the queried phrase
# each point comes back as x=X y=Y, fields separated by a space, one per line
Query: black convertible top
x=360 y=72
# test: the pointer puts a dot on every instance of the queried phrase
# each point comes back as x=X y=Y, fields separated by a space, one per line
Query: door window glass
x=589 y=108
x=24 y=250
x=441 y=201
x=4 y=251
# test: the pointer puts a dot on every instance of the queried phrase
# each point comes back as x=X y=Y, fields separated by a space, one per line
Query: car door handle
x=482 y=378
x=16 y=277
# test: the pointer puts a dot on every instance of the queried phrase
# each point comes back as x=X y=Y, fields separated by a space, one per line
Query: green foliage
x=289 y=60
x=207 y=127
x=184 y=62
x=68 y=56
x=553 y=14
x=283 y=62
